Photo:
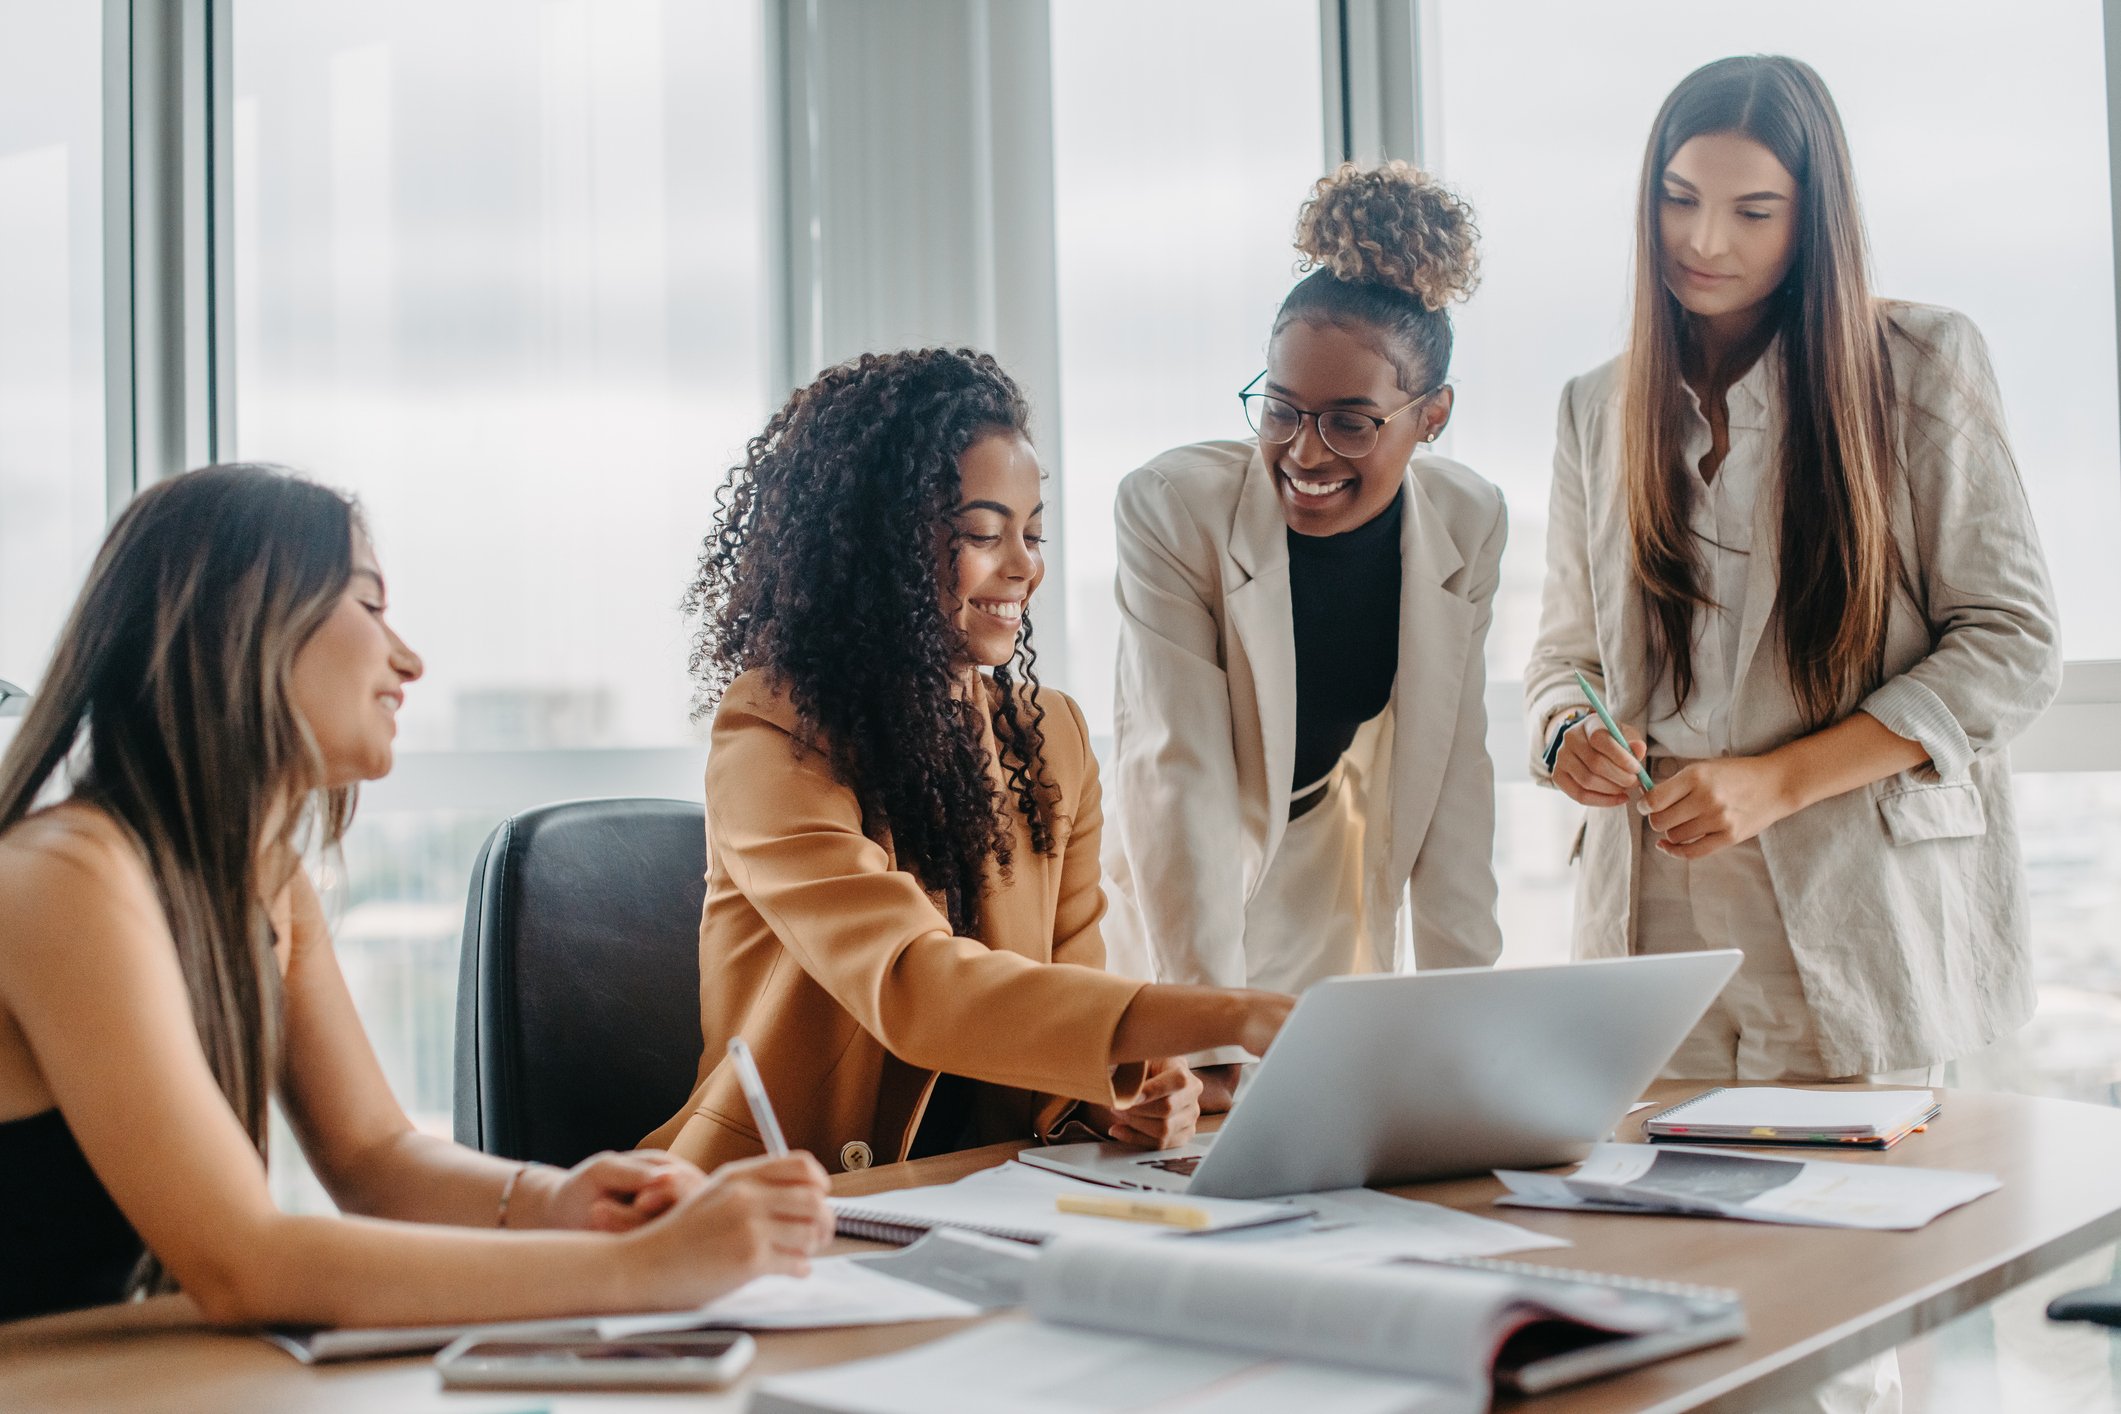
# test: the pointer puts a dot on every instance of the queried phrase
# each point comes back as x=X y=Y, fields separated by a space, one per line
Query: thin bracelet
x=508 y=1191
x=1559 y=729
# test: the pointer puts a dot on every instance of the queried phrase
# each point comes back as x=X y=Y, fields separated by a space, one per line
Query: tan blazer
x=1205 y=721
x=1904 y=901
x=846 y=980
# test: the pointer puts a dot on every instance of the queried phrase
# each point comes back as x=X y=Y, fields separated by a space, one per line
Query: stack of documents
x=1870 y=1119
x=1352 y=1226
x=1636 y=1178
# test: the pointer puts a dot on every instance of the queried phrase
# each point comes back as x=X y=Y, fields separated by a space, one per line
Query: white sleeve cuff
x=1221 y=1055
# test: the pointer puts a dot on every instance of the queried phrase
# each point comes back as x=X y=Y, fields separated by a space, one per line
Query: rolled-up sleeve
x=1996 y=663
x=791 y=839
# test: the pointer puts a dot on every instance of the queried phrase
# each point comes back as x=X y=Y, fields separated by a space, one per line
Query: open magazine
x=1139 y=1326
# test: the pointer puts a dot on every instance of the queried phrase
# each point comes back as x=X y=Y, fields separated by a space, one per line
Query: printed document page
x=1435 y=1322
x=1043 y=1369
x=1355 y=1226
x=1724 y=1183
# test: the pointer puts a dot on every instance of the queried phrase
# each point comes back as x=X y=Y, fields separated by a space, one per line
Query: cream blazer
x=1905 y=900
x=1205 y=720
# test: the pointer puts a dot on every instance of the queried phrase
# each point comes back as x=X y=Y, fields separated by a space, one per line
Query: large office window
x=500 y=272
x=1180 y=155
x=52 y=497
x=1538 y=113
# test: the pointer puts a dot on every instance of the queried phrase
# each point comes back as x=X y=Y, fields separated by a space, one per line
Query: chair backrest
x=578 y=999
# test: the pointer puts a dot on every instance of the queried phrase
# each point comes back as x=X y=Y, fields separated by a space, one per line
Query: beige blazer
x=1904 y=901
x=1205 y=720
x=846 y=979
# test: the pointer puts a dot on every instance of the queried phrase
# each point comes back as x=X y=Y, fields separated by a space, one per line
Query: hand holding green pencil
x=1598 y=705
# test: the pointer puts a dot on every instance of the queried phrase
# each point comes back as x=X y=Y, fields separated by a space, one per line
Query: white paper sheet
x=1016 y=1198
x=1749 y=1186
x=1355 y=1226
x=838 y=1292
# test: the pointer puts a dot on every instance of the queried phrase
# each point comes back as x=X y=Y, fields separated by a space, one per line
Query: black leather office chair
x=578 y=999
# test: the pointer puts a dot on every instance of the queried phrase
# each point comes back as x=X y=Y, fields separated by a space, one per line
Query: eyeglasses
x=1344 y=430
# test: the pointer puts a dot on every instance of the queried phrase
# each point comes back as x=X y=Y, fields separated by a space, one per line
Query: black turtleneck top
x=1344 y=594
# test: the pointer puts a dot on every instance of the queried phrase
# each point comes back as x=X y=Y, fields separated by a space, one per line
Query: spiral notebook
x=1016 y=1201
x=1772 y=1115
x=1217 y=1328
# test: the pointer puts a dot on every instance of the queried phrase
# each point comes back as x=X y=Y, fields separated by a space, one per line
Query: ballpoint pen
x=754 y=1087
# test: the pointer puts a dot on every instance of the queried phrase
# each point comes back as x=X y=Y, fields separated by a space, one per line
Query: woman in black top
x=226 y=678
x=1300 y=730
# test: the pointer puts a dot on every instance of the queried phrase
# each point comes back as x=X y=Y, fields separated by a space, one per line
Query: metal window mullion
x=1370 y=59
x=2112 y=19
x=167 y=276
x=120 y=454
x=217 y=224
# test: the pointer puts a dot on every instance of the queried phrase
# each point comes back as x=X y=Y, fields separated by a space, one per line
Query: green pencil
x=1598 y=706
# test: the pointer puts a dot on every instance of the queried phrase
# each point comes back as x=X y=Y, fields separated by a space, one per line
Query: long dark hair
x=171 y=680
x=1839 y=562
x=821 y=571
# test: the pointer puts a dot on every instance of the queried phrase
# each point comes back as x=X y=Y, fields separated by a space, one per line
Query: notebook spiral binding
x=1569 y=1274
x=875 y=1227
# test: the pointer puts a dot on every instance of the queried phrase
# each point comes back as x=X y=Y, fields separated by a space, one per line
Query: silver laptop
x=1391 y=1079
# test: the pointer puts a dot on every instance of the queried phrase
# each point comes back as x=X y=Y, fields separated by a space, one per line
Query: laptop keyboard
x=1182 y=1165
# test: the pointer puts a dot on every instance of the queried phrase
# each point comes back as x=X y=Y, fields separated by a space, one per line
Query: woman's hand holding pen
x=1593 y=769
x=748 y=1218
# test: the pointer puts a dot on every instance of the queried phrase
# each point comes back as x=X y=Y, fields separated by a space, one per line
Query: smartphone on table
x=680 y=1360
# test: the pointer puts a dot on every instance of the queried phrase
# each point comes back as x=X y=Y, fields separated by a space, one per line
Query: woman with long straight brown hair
x=225 y=680
x=1790 y=547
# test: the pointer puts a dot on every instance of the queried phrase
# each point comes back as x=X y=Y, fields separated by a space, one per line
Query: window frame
x=170 y=315
x=1377 y=108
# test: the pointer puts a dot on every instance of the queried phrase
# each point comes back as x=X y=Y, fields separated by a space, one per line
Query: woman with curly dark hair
x=903 y=889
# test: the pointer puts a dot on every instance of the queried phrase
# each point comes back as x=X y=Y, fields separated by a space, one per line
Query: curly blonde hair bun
x=1391 y=225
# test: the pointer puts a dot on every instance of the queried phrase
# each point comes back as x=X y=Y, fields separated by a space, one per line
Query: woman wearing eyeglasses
x=1300 y=726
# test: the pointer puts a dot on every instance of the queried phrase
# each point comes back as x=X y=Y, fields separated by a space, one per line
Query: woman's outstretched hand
x=1164 y=1114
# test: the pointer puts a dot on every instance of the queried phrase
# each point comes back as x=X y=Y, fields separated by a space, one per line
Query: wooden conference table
x=1816 y=1299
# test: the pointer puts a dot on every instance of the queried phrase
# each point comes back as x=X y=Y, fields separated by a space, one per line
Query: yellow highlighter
x=1136 y=1210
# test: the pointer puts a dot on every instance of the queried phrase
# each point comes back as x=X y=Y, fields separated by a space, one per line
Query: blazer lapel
x=1763 y=566
x=1616 y=604
x=1433 y=630
x=1262 y=627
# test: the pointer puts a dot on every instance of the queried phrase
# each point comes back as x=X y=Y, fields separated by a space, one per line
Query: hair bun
x=1392 y=225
